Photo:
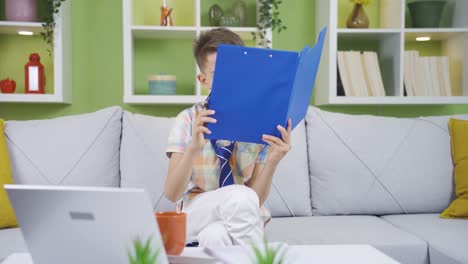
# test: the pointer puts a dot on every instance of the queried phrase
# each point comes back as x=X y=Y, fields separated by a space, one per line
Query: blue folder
x=256 y=89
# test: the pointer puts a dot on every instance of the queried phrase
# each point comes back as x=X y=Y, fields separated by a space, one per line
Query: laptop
x=85 y=224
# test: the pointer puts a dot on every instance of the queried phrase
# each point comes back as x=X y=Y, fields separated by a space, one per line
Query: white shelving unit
x=61 y=60
x=132 y=32
x=391 y=38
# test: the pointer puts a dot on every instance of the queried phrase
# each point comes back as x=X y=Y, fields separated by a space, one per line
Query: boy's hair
x=208 y=43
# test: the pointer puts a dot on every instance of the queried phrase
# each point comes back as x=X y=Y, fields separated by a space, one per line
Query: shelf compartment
x=453 y=15
x=450 y=44
x=169 y=56
x=148 y=13
x=15 y=51
x=388 y=48
x=250 y=18
x=150 y=49
x=391 y=41
x=381 y=13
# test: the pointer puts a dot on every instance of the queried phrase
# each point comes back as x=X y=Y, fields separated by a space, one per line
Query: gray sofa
x=347 y=180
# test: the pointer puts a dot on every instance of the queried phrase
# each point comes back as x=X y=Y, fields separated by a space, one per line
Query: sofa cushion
x=290 y=191
x=74 y=150
x=398 y=244
x=11 y=241
x=143 y=160
x=7 y=215
x=459 y=139
x=446 y=238
x=378 y=165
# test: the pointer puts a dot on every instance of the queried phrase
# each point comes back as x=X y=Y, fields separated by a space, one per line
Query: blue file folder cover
x=255 y=89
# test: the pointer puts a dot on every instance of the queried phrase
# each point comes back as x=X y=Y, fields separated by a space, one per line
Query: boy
x=227 y=182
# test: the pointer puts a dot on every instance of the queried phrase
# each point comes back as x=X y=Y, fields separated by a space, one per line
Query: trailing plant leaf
x=52 y=9
x=269 y=17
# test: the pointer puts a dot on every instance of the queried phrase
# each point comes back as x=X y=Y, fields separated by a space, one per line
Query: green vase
x=239 y=9
x=426 y=14
x=215 y=13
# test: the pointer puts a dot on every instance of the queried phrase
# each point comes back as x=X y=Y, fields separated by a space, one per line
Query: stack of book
x=426 y=76
x=359 y=74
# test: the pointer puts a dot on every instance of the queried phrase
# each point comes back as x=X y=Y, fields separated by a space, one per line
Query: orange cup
x=172 y=226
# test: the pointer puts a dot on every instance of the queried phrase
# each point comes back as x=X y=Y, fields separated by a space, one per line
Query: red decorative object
x=166 y=19
x=8 y=85
x=34 y=75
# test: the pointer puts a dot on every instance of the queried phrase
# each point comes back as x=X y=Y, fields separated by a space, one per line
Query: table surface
x=362 y=254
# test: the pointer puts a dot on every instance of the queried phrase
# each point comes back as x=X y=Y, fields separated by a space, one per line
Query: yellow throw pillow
x=7 y=215
x=459 y=136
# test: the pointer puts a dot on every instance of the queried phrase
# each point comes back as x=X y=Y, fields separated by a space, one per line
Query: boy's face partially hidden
x=207 y=73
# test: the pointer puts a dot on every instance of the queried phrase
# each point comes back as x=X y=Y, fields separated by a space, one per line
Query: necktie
x=224 y=153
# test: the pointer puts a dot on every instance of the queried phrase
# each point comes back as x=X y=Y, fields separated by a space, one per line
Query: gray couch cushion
x=74 y=150
x=11 y=241
x=398 y=244
x=290 y=191
x=378 y=165
x=447 y=238
x=143 y=160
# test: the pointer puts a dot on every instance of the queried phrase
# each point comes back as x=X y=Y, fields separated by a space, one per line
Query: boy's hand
x=278 y=147
x=199 y=130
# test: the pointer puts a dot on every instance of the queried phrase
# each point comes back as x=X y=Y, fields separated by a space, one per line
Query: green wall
x=98 y=65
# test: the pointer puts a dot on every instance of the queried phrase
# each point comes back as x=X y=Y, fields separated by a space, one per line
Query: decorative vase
x=426 y=14
x=239 y=9
x=166 y=17
x=215 y=13
x=358 y=18
x=21 y=10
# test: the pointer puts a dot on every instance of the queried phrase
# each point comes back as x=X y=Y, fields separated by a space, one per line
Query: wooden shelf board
x=31 y=98
x=243 y=32
x=368 y=31
x=163 y=32
x=434 y=33
x=398 y=100
x=12 y=28
x=381 y=34
x=163 y=99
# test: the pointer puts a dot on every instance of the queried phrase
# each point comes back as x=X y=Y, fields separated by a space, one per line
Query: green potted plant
x=143 y=253
x=269 y=17
x=426 y=13
x=52 y=9
x=266 y=254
